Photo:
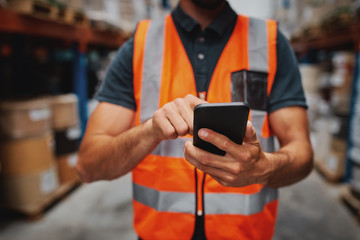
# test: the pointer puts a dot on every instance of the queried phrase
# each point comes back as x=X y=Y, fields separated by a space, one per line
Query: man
x=144 y=123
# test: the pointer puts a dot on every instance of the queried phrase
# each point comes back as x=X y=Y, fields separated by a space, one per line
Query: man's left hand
x=242 y=165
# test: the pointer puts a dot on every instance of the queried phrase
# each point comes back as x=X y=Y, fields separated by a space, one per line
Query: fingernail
x=202 y=133
x=250 y=123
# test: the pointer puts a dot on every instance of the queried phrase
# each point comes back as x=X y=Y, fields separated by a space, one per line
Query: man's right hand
x=111 y=147
x=175 y=118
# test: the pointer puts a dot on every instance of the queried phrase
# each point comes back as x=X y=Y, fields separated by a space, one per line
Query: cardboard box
x=329 y=150
x=22 y=119
x=332 y=164
x=336 y=159
x=341 y=81
x=28 y=191
x=64 y=111
x=310 y=75
x=26 y=156
x=66 y=168
x=322 y=137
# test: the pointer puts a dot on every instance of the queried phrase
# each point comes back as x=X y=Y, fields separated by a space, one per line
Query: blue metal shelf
x=353 y=151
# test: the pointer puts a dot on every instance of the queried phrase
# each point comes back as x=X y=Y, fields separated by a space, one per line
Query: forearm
x=290 y=164
x=104 y=157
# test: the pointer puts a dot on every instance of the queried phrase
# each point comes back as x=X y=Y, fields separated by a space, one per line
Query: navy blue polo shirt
x=204 y=47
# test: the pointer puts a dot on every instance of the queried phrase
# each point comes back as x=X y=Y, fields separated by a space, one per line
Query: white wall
x=254 y=8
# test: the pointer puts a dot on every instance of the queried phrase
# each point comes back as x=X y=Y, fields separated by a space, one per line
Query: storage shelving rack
x=80 y=36
x=348 y=39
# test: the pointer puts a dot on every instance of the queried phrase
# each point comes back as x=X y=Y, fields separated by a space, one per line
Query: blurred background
x=53 y=57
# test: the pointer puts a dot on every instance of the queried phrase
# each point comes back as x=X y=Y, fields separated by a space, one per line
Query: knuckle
x=236 y=169
x=179 y=101
x=189 y=96
x=225 y=144
x=191 y=130
x=157 y=114
x=229 y=179
x=247 y=156
x=169 y=132
x=183 y=130
x=167 y=108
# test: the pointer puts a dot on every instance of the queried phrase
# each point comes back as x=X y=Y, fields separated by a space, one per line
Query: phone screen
x=228 y=119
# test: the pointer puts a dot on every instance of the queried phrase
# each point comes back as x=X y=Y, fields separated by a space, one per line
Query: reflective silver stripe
x=258 y=45
x=257 y=119
x=153 y=59
x=164 y=201
x=258 y=61
x=171 y=148
x=243 y=204
x=215 y=203
x=267 y=144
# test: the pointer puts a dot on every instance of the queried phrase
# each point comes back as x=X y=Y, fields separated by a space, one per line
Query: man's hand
x=175 y=118
x=242 y=165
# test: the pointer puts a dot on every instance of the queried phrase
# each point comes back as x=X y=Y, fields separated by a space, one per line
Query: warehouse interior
x=54 y=55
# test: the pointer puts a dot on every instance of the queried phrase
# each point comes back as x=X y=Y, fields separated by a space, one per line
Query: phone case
x=229 y=119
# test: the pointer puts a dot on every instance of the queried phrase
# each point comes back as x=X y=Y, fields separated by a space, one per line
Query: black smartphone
x=228 y=119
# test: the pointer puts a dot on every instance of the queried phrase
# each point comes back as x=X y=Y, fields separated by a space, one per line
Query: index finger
x=193 y=101
x=188 y=113
x=217 y=139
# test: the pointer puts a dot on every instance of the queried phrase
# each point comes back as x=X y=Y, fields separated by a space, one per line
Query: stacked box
x=64 y=111
x=65 y=123
x=310 y=75
x=329 y=150
x=66 y=165
x=22 y=119
x=341 y=81
x=28 y=171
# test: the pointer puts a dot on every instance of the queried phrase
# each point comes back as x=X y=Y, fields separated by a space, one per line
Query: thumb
x=250 y=133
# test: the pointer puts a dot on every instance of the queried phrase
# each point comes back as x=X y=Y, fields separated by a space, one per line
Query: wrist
x=276 y=165
x=269 y=164
x=152 y=133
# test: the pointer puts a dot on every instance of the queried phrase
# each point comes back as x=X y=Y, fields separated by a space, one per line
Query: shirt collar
x=225 y=19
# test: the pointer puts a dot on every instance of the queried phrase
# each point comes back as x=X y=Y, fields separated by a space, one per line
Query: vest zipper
x=199 y=230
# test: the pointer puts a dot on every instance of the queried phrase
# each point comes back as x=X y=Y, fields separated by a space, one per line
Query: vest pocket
x=250 y=87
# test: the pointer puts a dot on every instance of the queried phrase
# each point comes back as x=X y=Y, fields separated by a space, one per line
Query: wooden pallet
x=35 y=211
x=37 y=8
x=351 y=202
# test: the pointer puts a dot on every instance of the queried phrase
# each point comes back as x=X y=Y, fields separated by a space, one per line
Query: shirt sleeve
x=287 y=88
x=118 y=87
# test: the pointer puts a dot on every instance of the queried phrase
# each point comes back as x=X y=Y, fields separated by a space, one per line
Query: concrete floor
x=308 y=210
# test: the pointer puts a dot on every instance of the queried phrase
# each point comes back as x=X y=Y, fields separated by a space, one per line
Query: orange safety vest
x=168 y=192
